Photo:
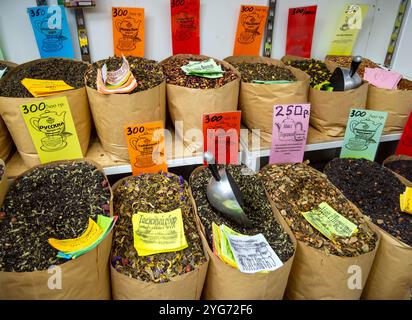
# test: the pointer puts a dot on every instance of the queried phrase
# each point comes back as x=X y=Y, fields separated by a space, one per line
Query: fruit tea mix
x=401 y=167
x=176 y=76
x=154 y=193
x=54 y=201
x=316 y=69
x=70 y=71
x=375 y=190
x=256 y=207
x=297 y=188
x=148 y=73
x=264 y=72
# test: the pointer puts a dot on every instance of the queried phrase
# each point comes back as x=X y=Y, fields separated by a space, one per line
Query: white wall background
x=218 y=23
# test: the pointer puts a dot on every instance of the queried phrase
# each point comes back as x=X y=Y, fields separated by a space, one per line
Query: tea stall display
x=13 y=94
x=53 y=201
x=376 y=191
x=296 y=189
x=178 y=274
x=225 y=281
x=112 y=112
x=211 y=93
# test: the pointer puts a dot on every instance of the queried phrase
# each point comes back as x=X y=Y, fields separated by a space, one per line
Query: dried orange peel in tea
x=297 y=188
x=154 y=193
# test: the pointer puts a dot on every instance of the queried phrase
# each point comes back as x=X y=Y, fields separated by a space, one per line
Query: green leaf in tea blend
x=401 y=167
x=53 y=201
x=256 y=207
x=375 y=190
x=154 y=193
x=148 y=73
x=70 y=71
x=316 y=69
x=263 y=71
x=175 y=75
x=297 y=188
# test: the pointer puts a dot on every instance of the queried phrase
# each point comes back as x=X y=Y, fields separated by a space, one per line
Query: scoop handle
x=356 y=61
x=210 y=159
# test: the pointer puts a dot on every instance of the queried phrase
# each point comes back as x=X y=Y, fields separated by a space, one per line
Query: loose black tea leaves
x=256 y=207
x=297 y=188
x=154 y=193
x=401 y=167
x=264 y=72
x=375 y=190
x=53 y=201
x=317 y=70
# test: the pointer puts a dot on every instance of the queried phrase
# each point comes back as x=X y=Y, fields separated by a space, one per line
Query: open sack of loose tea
x=376 y=191
x=46 y=204
x=157 y=252
x=401 y=165
x=329 y=110
x=265 y=83
x=257 y=264
x=191 y=94
x=134 y=91
x=397 y=102
x=320 y=270
x=13 y=94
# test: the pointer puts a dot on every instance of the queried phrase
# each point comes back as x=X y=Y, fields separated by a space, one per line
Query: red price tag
x=405 y=144
x=221 y=136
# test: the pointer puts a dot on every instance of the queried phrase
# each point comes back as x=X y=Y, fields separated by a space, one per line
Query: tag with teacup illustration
x=52 y=130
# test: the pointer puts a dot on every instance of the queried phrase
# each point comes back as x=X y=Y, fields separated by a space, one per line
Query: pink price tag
x=289 y=133
x=381 y=78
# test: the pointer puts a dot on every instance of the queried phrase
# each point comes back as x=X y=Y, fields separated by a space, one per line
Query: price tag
x=221 y=136
x=52 y=129
x=405 y=201
x=146 y=146
x=363 y=133
x=301 y=22
x=250 y=25
x=405 y=144
x=43 y=88
x=128 y=31
x=185 y=26
x=289 y=133
x=51 y=31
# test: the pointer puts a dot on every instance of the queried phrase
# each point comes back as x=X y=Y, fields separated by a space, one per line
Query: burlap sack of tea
x=84 y=278
x=224 y=282
x=188 y=105
x=112 y=112
x=187 y=286
x=257 y=100
x=10 y=112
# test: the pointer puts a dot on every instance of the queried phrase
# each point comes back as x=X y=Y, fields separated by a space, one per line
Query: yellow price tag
x=406 y=201
x=52 y=130
x=42 y=88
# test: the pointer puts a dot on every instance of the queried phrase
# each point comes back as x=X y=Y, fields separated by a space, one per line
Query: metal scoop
x=344 y=79
x=224 y=194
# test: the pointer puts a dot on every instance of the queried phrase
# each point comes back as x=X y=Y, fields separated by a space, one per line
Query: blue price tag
x=51 y=30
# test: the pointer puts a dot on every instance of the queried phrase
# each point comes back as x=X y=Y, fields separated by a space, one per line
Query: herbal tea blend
x=375 y=190
x=345 y=61
x=154 y=193
x=263 y=71
x=316 y=69
x=175 y=75
x=256 y=207
x=148 y=73
x=401 y=167
x=52 y=201
x=297 y=188
x=70 y=71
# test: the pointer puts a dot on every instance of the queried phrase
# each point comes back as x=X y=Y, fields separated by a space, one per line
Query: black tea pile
x=401 y=167
x=263 y=72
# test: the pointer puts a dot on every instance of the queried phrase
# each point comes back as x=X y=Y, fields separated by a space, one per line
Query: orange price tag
x=146 y=146
x=221 y=136
x=128 y=31
x=252 y=20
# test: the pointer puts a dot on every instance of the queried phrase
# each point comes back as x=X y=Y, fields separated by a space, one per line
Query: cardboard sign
x=52 y=130
x=146 y=146
x=185 y=26
x=363 y=133
x=128 y=31
x=405 y=144
x=250 y=26
x=221 y=136
x=348 y=28
x=51 y=31
x=301 y=22
x=289 y=133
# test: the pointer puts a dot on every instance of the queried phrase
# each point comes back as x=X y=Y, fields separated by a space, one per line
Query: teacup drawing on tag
x=148 y=152
x=364 y=131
